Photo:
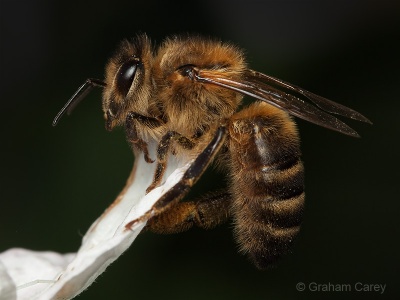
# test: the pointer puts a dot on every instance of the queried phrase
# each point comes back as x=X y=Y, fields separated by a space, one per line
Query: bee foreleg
x=134 y=140
x=163 y=149
x=150 y=122
x=206 y=213
x=132 y=135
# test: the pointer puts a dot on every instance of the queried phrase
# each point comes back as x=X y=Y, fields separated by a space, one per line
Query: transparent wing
x=323 y=103
x=258 y=85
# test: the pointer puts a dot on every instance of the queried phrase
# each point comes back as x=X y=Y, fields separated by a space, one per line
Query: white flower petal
x=8 y=289
x=65 y=276
x=31 y=269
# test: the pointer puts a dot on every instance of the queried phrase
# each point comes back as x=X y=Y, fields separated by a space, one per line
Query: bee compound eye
x=125 y=76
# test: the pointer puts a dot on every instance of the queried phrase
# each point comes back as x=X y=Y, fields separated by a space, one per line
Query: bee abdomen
x=267 y=183
x=267 y=223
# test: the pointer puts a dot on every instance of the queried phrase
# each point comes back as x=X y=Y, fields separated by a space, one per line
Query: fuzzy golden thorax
x=190 y=107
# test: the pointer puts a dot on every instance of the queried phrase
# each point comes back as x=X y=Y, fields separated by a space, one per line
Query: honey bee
x=187 y=95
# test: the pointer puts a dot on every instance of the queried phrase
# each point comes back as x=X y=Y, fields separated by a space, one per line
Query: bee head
x=128 y=84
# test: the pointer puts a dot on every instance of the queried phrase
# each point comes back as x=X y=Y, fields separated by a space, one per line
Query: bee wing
x=323 y=103
x=258 y=85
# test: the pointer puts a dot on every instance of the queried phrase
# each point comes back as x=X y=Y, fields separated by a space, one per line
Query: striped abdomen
x=267 y=182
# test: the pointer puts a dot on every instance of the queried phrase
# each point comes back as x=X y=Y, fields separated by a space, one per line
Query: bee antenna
x=78 y=96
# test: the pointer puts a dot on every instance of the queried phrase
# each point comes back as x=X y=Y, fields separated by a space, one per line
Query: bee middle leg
x=172 y=197
x=163 y=150
x=205 y=213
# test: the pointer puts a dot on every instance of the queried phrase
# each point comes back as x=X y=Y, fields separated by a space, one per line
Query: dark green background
x=56 y=181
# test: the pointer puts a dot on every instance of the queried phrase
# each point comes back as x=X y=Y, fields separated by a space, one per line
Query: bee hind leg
x=205 y=213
